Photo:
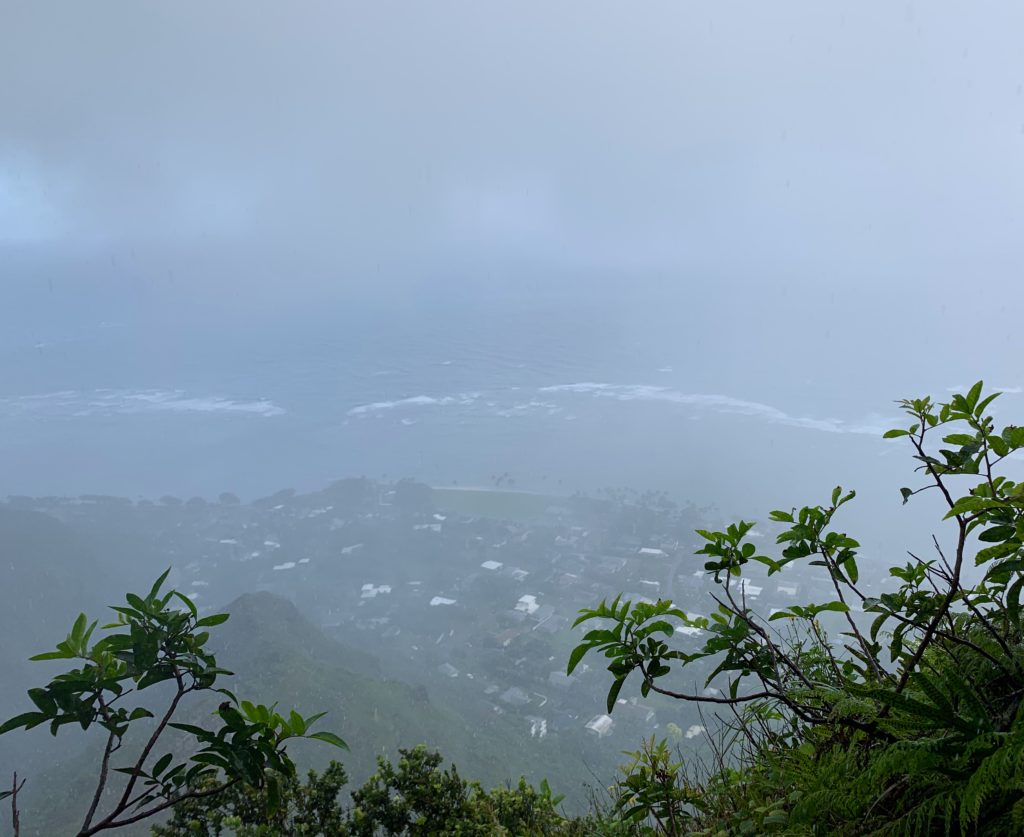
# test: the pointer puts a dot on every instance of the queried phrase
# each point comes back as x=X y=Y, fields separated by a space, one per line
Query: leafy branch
x=162 y=639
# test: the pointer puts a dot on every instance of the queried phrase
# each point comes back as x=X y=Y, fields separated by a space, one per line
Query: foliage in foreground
x=416 y=797
x=907 y=720
x=154 y=642
x=895 y=712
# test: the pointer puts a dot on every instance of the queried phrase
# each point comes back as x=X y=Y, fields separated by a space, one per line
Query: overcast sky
x=834 y=187
x=787 y=137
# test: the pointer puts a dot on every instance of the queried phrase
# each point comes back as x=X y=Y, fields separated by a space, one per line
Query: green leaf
x=158 y=584
x=1013 y=436
x=974 y=394
x=997 y=534
x=212 y=759
x=971 y=503
x=312 y=719
x=215 y=619
x=161 y=764
x=43 y=700
x=1000 y=550
x=273 y=794
x=850 y=566
x=330 y=738
x=613 y=692
x=574 y=658
x=895 y=433
x=188 y=603
x=26 y=720
x=136 y=602
x=198 y=732
x=53 y=655
x=980 y=408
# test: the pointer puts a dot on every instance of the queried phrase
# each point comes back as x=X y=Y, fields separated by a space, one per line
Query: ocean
x=543 y=390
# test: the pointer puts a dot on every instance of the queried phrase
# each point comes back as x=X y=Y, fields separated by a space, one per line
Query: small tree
x=415 y=798
x=152 y=642
x=306 y=808
x=916 y=707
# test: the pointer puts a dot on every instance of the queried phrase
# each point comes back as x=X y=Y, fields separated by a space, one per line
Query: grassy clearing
x=486 y=502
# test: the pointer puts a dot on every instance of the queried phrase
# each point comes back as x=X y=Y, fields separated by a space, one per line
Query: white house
x=600 y=725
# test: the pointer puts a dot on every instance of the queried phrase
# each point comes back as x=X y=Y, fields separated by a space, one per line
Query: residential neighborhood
x=475 y=608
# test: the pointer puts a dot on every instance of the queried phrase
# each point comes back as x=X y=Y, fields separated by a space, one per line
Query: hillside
x=279 y=656
x=48 y=575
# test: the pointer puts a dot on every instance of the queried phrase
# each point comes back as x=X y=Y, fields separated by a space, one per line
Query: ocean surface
x=554 y=391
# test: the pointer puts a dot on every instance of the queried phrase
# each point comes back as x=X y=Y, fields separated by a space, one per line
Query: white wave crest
x=116 y=402
x=872 y=425
x=463 y=399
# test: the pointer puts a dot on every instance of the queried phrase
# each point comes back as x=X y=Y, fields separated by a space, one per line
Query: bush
x=908 y=721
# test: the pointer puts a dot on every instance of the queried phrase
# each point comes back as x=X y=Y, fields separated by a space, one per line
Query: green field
x=496 y=503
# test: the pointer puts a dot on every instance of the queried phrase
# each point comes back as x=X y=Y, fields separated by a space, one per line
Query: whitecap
x=123 y=401
x=871 y=425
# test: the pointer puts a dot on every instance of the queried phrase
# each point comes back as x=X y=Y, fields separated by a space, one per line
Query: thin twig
x=15 y=815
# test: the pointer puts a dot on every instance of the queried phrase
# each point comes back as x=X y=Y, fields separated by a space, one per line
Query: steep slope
x=47 y=576
x=279 y=656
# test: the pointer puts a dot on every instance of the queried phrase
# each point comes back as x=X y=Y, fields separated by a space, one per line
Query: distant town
x=470 y=593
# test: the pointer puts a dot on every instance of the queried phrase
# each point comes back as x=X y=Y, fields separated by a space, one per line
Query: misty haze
x=494 y=366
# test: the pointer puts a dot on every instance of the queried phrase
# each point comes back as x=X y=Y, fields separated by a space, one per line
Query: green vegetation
x=416 y=797
x=496 y=503
x=152 y=643
x=909 y=723
x=894 y=710
x=277 y=654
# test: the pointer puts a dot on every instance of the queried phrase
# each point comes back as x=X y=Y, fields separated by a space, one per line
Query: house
x=514 y=696
x=553 y=624
x=448 y=670
x=636 y=711
x=610 y=565
x=505 y=638
x=748 y=589
x=543 y=613
x=651 y=552
x=527 y=604
x=600 y=725
x=567 y=580
x=561 y=680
